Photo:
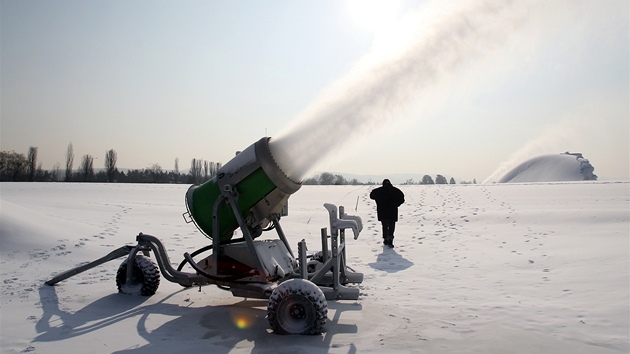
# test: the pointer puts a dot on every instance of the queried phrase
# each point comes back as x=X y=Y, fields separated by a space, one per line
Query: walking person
x=388 y=198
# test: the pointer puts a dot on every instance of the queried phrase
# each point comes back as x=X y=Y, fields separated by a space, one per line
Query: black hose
x=204 y=249
x=201 y=250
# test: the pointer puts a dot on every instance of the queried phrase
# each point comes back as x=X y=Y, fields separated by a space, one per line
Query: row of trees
x=439 y=179
x=18 y=167
x=327 y=178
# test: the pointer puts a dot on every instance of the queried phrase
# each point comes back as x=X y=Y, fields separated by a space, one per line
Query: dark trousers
x=388 y=229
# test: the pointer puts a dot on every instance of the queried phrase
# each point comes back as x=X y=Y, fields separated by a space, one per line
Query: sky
x=461 y=88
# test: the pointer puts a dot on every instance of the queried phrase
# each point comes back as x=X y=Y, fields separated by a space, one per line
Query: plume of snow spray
x=577 y=132
x=554 y=141
x=380 y=85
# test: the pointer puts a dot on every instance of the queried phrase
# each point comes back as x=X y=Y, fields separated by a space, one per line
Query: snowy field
x=505 y=268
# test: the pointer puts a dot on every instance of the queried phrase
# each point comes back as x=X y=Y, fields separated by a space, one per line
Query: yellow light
x=242 y=322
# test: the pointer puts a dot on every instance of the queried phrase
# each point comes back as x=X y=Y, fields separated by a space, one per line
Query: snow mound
x=552 y=168
x=23 y=229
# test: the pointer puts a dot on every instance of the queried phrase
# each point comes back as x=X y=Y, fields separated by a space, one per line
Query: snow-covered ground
x=498 y=268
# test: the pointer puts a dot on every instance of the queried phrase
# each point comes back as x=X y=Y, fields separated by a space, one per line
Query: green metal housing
x=261 y=187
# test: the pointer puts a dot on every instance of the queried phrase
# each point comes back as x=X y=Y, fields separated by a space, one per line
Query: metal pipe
x=117 y=253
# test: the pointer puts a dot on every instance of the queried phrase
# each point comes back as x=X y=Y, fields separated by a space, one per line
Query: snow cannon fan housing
x=262 y=187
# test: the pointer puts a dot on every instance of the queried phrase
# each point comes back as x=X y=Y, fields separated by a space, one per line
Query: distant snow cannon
x=552 y=168
x=263 y=190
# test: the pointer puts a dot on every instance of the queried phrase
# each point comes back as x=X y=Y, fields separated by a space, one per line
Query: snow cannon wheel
x=145 y=278
x=297 y=306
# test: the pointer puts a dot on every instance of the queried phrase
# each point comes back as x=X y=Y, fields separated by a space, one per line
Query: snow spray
x=390 y=77
x=572 y=134
x=550 y=142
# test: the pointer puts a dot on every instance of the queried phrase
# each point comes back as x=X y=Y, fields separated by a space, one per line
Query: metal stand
x=334 y=273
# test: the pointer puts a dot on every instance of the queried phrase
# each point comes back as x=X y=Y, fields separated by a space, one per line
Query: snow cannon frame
x=297 y=289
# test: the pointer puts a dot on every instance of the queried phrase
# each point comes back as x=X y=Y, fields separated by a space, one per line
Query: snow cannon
x=261 y=190
x=250 y=192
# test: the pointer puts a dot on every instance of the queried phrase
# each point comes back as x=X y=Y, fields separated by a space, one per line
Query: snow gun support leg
x=120 y=252
x=332 y=274
x=146 y=243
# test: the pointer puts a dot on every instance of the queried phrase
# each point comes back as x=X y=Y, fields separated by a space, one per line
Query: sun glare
x=241 y=322
x=373 y=15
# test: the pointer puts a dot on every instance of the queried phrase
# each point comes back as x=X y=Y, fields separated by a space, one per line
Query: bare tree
x=195 y=170
x=327 y=178
x=110 y=164
x=40 y=174
x=56 y=173
x=175 y=175
x=69 y=162
x=340 y=180
x=32 y=163
x=87 y=168
x=214 y=168
x=156 y=172
x=12 y=165
x=206 y=171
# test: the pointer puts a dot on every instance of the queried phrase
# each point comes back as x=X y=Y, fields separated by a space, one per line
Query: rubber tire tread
x=143 y=266
x=300 y=288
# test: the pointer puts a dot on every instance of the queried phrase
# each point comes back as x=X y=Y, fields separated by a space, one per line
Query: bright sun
x=373 y=15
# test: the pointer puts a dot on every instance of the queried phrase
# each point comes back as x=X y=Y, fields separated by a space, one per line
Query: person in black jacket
x=388 y=198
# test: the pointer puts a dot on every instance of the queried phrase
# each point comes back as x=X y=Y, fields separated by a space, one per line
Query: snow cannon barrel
x=262 y=190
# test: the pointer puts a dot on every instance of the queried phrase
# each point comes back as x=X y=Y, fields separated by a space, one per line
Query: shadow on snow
x=390 y=261
x=216 y=328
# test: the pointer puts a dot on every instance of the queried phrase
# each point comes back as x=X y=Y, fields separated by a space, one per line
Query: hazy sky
x=485 y=85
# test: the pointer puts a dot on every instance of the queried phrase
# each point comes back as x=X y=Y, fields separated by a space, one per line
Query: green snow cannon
x=254 y=182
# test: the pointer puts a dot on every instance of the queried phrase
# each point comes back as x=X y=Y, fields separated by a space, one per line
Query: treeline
x=18 y=167
x=439 y=179
x=328 y=179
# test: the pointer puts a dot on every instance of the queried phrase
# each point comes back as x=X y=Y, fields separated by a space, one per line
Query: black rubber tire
x=297 y=306
x=319 y=256
x=317 y=261
x=146 y=277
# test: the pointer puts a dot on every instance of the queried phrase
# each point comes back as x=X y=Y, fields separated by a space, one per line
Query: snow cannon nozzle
x=254 y=181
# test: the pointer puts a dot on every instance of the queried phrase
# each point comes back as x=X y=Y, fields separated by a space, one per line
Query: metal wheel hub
x=297 y=311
